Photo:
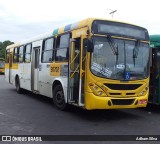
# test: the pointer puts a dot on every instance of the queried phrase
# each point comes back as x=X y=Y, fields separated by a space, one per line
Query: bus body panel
x=27 y=76
x=96 y=102
x=45 y=80
x=101 y=102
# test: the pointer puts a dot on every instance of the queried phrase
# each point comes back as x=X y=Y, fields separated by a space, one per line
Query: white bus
x=93 y=64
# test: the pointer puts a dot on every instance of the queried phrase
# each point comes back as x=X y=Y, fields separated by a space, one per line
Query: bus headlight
x=97 y=90
x=144 y=91
x=99 y=93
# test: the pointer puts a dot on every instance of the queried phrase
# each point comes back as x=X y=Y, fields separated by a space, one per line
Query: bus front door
x=76 y=72
x=35 y=69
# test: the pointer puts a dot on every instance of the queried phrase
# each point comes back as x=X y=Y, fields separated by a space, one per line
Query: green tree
x=3 y=46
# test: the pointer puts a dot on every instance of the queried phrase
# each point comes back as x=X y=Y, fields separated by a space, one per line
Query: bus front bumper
x=97 y=102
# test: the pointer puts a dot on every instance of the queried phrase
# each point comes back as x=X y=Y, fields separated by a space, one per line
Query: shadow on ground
x=91 y=115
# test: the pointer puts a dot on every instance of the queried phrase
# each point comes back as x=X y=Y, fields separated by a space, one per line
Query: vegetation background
x=3 y=46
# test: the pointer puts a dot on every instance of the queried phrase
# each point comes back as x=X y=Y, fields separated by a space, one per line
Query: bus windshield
x=130 y=62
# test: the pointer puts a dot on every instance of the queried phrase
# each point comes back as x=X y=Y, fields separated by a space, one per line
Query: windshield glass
x=122 y=65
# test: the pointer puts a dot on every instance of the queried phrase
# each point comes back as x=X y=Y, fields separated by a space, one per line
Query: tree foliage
x=3 y=46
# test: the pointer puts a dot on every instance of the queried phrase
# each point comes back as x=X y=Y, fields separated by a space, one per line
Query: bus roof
x=12 y=46
x=57 y=31
x=81 y=24
x=154 y=41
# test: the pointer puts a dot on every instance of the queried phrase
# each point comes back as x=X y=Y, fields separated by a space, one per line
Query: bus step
x=35 y=92
x=71 y=101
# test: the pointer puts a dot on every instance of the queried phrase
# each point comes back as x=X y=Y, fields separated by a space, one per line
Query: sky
x=23 y=19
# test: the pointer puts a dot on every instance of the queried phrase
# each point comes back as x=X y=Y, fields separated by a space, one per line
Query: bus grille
x=123 y=86
x=122 y=102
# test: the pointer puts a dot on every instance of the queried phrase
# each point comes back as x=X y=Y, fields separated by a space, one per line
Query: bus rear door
x=35 y=69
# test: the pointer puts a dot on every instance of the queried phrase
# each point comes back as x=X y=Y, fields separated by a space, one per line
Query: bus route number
x=55 y=70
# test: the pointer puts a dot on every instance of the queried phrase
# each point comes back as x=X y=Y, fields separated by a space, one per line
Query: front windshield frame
x=107 y=74
x=119 y=29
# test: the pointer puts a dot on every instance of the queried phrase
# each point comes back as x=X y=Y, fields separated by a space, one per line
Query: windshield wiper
x=135 y=51
x=113 y=46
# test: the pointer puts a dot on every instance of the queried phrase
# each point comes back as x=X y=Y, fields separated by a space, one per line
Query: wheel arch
x=60 y=82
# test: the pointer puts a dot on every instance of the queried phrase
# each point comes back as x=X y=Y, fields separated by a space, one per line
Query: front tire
x=58 y=98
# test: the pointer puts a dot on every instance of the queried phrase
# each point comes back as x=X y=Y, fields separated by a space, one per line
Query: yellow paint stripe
x=15 y=66
x=7 y=66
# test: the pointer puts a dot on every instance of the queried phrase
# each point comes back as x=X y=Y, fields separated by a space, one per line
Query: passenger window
x=64 y=41
x=21 y=54
x=62 y=48
x=27 y=53
x=15 y=55
x=47 y=53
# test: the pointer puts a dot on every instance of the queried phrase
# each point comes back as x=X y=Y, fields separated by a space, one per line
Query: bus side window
x=47 y=51
x=20 y=58
x=27 y=53
x=15 y=55
x=62 y=48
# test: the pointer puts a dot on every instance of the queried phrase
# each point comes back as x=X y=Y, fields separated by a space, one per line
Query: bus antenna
x=112 y=12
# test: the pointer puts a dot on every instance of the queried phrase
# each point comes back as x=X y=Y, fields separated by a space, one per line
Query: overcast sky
x=22 y=19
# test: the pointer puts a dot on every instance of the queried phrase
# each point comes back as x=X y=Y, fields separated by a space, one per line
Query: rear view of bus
x=118 y=66
x=2 y=64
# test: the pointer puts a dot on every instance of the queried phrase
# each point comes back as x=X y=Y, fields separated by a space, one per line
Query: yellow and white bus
x=2 y=64
x=93 y=64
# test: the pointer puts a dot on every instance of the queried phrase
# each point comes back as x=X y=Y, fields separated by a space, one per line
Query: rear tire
x=18 y=87
x=58 y=98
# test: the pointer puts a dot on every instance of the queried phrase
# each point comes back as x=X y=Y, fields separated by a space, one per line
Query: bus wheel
x=58 y=98
x=18 y=88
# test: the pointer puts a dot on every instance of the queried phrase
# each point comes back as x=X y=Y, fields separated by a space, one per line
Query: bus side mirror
x=89 y=44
